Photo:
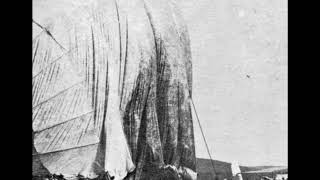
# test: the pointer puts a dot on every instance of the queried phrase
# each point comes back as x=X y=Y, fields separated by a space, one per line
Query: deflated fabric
x=111 y=87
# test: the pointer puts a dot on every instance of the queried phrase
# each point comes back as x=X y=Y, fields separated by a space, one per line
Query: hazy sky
x=239 y=50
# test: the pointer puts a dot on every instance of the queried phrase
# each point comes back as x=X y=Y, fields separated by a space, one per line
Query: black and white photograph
x=159 y=90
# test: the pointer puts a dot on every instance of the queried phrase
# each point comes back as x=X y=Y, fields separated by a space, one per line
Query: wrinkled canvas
x=111 y=88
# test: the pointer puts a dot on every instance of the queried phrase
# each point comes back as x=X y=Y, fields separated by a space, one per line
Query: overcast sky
x=239 y=50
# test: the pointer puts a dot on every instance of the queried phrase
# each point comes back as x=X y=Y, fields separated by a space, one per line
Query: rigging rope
x=204 y=138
